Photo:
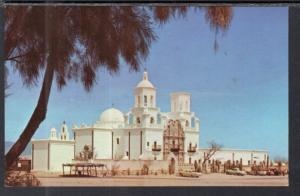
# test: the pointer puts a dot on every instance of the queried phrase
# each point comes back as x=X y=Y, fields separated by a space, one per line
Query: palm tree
x=72 y=43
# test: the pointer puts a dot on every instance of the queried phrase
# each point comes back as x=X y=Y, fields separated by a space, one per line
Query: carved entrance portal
x=174 y=141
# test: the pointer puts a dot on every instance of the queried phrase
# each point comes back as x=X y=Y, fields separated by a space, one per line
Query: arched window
x=186 y=105
x=151 y=101
x=139 y=101
x=193 y=122
x=187 y=123
x=158 y=119
x=130 y=119
x=145 y=100
x=138 y=120
x=155 y=143
x=151 y=120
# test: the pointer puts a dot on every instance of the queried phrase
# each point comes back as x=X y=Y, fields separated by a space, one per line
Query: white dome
x=145 y=83
x=112 y=115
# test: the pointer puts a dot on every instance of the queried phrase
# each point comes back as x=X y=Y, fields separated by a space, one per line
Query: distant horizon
x=240 y=92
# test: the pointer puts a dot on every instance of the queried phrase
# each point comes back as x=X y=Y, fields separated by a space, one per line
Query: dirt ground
x=204 y=180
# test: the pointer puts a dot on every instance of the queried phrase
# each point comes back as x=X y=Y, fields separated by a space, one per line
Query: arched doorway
x=172 y=166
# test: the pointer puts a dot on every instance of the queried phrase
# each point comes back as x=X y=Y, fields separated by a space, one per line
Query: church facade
x=144 y=129
x=142 y=133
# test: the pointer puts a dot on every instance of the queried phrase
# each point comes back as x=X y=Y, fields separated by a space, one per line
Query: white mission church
x=143 y=133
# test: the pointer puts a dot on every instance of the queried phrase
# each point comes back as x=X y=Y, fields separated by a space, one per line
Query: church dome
x=112 y=115
x=145 y=83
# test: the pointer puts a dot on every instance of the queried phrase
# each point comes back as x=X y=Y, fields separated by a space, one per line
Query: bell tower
x=53 y=134
x=180 y=102
x=64 y=134
x=145 y=93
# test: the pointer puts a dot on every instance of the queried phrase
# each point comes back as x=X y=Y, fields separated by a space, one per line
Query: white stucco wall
x=40 y=156
x=60 y=152
x=103 y=144
x=83 y=137
x=52 y=153
x=135 y=144
x=152 y=136
x=192 y=137
x=118 y=150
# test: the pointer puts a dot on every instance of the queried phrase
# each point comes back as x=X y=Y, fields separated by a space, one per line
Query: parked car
x=189 y=174
x=277 y=172
x=235 y=171
x=262 y=172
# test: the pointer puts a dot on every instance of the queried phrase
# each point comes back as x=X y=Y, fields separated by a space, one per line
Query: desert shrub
x=145 y=169
x=115 y=170
x=21 y=179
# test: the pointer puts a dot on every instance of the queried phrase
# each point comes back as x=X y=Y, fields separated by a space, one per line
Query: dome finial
x=145 y=75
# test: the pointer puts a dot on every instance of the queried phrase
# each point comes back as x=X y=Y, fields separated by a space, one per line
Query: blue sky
x=239 y=93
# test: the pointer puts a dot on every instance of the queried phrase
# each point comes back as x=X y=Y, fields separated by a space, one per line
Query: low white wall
x=132 y=164
x=235 y=154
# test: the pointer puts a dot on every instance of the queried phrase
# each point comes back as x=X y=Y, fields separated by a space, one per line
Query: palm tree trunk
x=36 y=119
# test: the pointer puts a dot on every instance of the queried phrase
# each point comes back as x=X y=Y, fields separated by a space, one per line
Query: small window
x=139 y=101
x=147 y=143
x=138 y=120
x=151 y=100
x=193 y=122
x=209 y=161
x=145 y=100
x=249 y=162
x=187 y=124
x=155 y=143
x=151 y=120
x=158 y=119
x=118 y=141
